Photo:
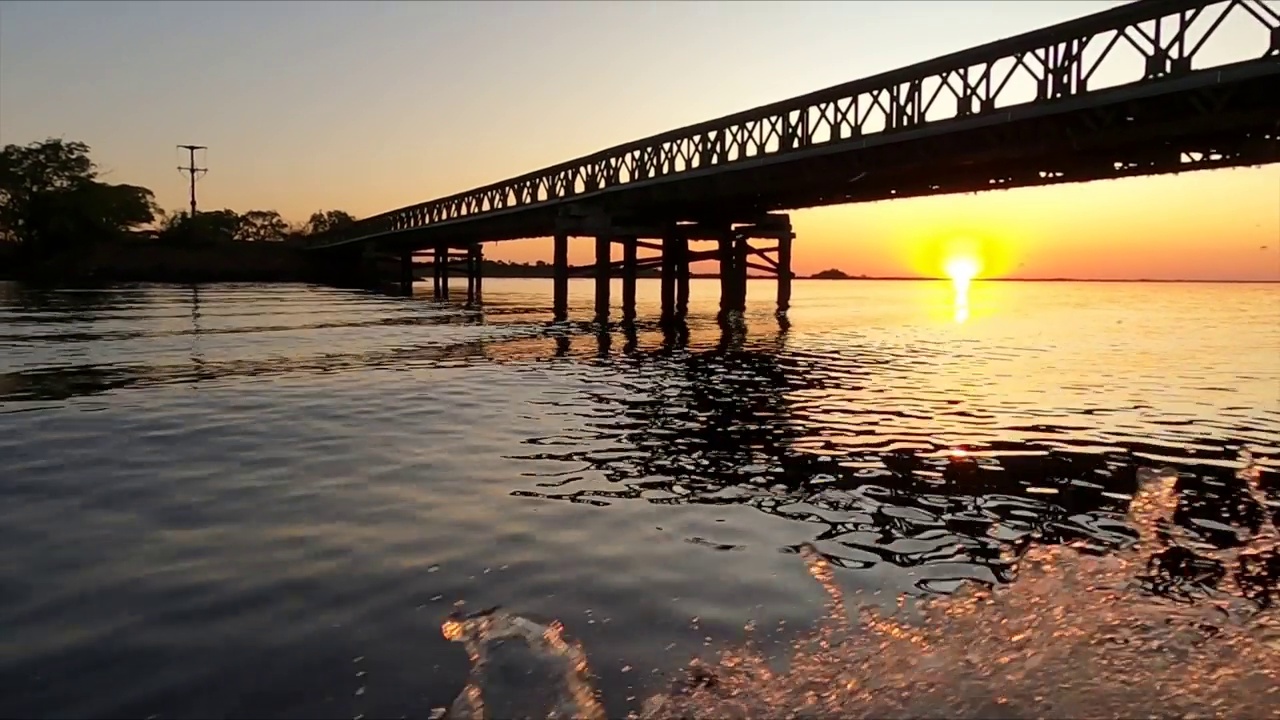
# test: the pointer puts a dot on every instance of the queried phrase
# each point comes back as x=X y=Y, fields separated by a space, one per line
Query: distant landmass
x=543 y=269
x=831 y=274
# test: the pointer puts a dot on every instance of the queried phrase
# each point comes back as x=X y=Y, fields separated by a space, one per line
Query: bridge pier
x=784 y=273
x=629 y=271
x=441 y=272
x=669 y=271
x=469 y=266
x=406 y=273
x=674 y=257
x=727 y=253
x=603 y=275
x=475 y=273
x=741 y=248
x=681 y=248
x=737 y=256
x=560 y=277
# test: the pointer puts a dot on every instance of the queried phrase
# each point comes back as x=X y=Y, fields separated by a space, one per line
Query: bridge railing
x=1165 y=37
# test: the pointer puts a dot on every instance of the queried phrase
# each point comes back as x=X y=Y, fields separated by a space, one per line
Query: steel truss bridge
x=1146 y=88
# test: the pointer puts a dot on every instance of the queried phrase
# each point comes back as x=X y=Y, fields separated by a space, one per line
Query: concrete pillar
x=479 y=272
x=784 y=273
x=474 y=259
x=682 y=277
x=406 y=273
x=560 y=273
x=629 y=248
x=668 y=278
x=442 y=271
x=725 y=253
x=435 y=274
x=741 y=251
x=603 y=247
x=471 y=275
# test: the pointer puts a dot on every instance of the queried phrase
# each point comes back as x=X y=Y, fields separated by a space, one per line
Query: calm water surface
x=263 y=501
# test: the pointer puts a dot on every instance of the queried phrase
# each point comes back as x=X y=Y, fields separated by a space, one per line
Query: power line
x=194 y=171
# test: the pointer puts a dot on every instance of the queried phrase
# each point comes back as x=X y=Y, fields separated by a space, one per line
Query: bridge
x=1146 y=88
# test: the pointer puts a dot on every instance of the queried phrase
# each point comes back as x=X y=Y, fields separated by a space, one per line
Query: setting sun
x=962 y=268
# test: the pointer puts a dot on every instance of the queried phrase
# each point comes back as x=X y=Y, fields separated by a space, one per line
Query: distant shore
x=136 y=260
x=160 y=271
x=1055 y=279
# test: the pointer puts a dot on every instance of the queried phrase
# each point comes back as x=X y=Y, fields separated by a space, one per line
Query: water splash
x=520 y=669
x=1075 y=636
x=1079 y=634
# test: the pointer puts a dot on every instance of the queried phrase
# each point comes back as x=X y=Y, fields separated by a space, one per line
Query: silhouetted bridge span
x=1151 y=87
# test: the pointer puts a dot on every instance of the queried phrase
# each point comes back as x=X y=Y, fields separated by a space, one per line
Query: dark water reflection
x=251 y=501
x=720 y=426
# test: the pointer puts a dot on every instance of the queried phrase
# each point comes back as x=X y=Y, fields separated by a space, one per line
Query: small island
x=830 y=274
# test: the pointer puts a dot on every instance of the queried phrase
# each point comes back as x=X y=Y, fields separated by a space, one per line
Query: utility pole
x=194 y=171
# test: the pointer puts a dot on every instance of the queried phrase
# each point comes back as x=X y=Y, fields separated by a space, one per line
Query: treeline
x=53 y=203
x=251 y=226
x=538 y=269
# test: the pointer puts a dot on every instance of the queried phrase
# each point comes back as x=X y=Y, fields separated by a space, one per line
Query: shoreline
x=272 y=262
x=266 y=275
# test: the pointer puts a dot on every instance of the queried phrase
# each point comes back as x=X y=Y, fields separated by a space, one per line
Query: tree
x=262 y=226
x=116 y=207
x=210 y=226
x=50 y=199
x=30 y=175
x=326 y=220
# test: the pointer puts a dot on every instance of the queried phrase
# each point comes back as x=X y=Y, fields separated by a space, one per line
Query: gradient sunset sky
x=366 y=106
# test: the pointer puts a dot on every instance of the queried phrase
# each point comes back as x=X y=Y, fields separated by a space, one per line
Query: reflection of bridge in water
x=718 y=425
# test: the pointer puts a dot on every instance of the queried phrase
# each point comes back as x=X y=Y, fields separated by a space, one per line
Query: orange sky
x=1209 y=225
x=369 y=106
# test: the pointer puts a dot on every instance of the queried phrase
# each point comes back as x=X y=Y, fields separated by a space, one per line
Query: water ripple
x=245 y=500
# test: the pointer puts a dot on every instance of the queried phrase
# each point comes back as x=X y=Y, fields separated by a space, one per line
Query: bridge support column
x=603 y=248
x=741 y=249
x=435 y=274
x=629 y=248
x=726 y=254
x=560 y=275
x=406 y=273
x=669 y=270
x=474 y=260
x=469 y=266
x=784 y=273
x=479 y=273
x=682 y=277
x=442 y=272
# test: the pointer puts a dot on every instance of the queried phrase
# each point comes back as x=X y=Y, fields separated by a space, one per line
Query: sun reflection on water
x=961 y=303
x=961 y=269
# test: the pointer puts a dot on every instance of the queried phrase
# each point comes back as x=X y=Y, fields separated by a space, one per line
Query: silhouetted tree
x=205 y=227
x=261 y=226
x=326 y=220
x=50 y=198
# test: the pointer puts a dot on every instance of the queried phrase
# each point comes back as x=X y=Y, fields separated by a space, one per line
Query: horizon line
x=1012 y=279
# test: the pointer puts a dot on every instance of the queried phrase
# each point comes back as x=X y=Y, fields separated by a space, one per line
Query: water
x=270 y=501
